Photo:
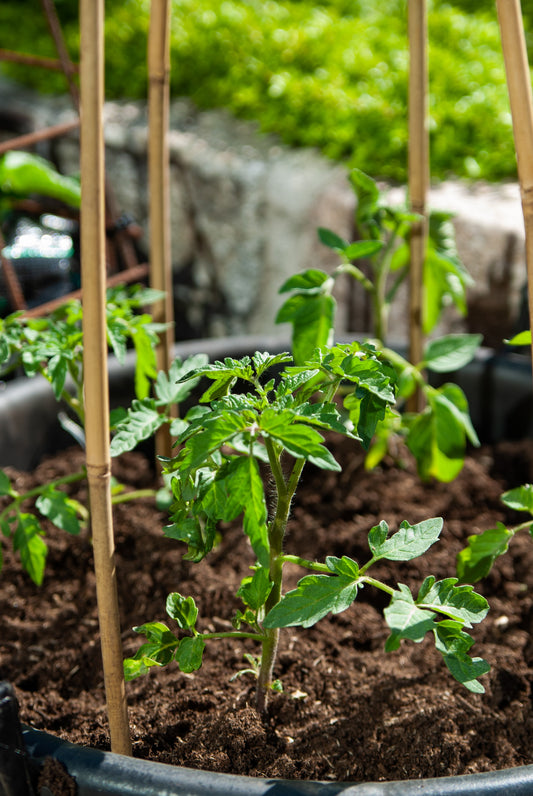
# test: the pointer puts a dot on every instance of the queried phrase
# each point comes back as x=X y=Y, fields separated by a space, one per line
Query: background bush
x=330 y=74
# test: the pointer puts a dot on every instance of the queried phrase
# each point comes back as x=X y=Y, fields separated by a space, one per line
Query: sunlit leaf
x=314 y=597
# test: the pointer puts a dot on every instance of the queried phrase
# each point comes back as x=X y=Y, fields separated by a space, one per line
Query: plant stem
x=17 y=498
x=285 y=489
x=378 y=584
x=125 y=497
x=381 y=271
x=233 y=634
x=353 y=270
x=303 y=562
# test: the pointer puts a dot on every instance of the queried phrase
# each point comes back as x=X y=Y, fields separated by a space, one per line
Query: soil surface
x=348 y=711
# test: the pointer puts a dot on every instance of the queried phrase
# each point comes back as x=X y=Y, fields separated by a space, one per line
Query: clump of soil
x=348 y=711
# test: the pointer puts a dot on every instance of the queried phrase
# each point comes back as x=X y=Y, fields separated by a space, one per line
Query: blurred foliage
x=329 y=74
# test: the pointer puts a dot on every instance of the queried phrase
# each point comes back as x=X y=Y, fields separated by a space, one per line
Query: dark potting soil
x=348 y=711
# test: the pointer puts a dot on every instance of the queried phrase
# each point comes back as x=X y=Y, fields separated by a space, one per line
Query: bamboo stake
x=158 y=178
x=519 y=87
x=418 y=155
x=95 y=365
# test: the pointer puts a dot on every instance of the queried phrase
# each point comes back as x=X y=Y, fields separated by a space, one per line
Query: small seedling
x=217 y=476
x=475 y=561
x=437 y=436
x=53 y=347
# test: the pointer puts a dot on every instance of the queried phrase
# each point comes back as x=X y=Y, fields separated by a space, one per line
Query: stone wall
x=245 y=212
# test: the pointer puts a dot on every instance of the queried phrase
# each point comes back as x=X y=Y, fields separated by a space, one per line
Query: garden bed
x=349 y=712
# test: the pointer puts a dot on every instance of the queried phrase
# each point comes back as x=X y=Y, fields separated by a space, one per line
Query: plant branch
x=316 y=566
x=233 y=634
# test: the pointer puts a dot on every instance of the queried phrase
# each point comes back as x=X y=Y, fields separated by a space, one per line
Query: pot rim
x=111 y=774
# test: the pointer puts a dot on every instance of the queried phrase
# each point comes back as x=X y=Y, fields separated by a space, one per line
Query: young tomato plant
x=475 y=561
x=53 y=347
x=216 y=476
x=437 y=437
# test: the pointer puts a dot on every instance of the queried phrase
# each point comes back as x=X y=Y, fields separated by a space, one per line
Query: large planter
x=499 y=390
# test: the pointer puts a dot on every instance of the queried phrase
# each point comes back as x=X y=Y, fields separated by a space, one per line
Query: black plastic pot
x=500 y=393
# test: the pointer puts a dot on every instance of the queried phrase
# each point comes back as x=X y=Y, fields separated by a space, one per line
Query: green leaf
x=247 y=617
x=314 y=597
x=451 y=352
x=332 y=240
x=367 y=410
x=5 y=483
x=445 y=278
x=178 y=426
x=254 y=590
x=323 y=415
x=237 y=488
x=145 y=362
x=411 y=620
x=247 y=478
x=377 y=536
x=169 y=388
x=343 y=566
x=311 y=279
x=189 y=653
x=157 y=651
x=59 y=509
x=522 y=338
x=198 y=535
x=299 y=440
x=222 y=385
x=406 y=620
x=5 y=527
x=312 y=318
x=370 y=375
x=263 y=361
x=57 y=371
x=454 y=644
x=23 y=173
x=117 y=337
x=409 y=542
x=437 y=436
x=363 y=248
x=224 y=375
x=5 y=351
x=367 y=193
x=475 y=561
x=459 y=602
x=136 y=667
x=452 y=396
x=142 y=421
x=519 y=499
x=117 y=415
x=27 y=539
x=163 y=499
x=183 y=610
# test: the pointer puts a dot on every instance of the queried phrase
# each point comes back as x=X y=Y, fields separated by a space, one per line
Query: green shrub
x=331 y=74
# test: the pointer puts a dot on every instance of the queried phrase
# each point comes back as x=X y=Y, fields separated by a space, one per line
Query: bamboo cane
x=95 y=365
x=519 y=87
x=158 y=178
x=418 y=155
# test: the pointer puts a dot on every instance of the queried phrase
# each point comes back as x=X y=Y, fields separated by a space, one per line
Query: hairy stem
x=285 y=488
x=316 y=566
